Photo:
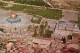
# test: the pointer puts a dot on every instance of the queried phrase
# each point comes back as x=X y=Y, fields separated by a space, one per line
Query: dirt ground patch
x=69 y=15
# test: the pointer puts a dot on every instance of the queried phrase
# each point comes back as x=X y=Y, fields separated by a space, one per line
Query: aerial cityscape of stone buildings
x=22 y=32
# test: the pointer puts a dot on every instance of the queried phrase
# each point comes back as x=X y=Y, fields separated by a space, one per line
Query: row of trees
x=43 y=31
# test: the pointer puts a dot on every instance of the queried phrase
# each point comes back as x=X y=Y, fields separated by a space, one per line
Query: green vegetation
x=55 y=27
x=31 y=2
x=79 y=40
x=1 y=29
x=2 y=4
x=48 y=33
x=36 y=21
x=35 y=33
x=29 y=28
x=1 y=45
x=61 y=21
x=47 y=13
x=64 y=40
x=79 y=20
x=42 y=27
x=70 y=37
x=15 y=28
x=12 y=41
x=43 y=31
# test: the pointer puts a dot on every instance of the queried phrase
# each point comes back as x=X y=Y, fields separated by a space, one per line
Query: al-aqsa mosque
x=13 y=18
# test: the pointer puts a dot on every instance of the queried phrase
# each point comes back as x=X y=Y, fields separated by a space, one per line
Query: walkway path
x=21 y=4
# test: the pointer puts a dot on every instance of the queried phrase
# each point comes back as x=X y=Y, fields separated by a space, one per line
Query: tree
x=70 y=37
x=1 y=4
x=79 y=19
x=1 y=29
x=1 y=40
x=15 y=28
x=49 y=27
x=64 y=40
x=29 y=27
x=35 y=33
x=48 y=33
x=46 y=23
x=55 y=27
x=42 y=29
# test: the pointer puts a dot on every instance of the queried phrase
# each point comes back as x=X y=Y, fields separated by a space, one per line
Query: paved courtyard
x=25 y=19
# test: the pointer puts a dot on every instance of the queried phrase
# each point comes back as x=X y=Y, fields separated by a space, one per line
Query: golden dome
x=13 y=15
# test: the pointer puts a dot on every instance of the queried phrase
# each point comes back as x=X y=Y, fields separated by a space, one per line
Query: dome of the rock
x=13 y=18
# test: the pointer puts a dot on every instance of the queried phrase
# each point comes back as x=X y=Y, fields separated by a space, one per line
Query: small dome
x=13 y=15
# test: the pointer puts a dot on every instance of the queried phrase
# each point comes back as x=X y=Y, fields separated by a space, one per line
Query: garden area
x=36 y=20
x=46 y=13
x=31 y=2
x=43 y=30
x=2 y=4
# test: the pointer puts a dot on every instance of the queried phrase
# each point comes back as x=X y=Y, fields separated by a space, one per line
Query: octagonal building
x=13 y=18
